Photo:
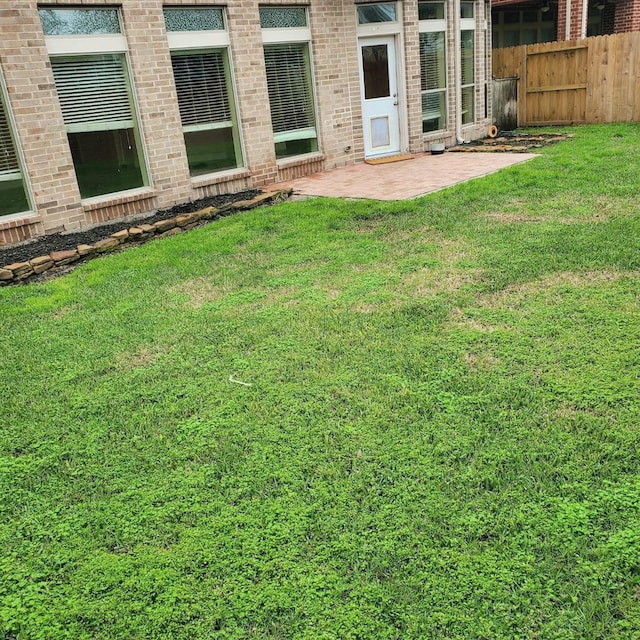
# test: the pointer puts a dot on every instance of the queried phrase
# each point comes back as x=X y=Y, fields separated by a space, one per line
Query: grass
x=440 y=439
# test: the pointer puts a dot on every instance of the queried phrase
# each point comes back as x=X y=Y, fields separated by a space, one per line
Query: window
x=433 y=66
x=96 y=98
x=72 y=22
x=512 y=28
x=596 y=19
x=468 y=87
x=371 y=13
x=467 y=54
x=202 y=73
x=194 y=19
x=13 y=195
x=283 y=17
x=467 y=10
x=431 y=10
x=289 y=80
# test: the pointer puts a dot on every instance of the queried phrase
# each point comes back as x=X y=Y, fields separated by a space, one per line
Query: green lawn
x=440 y=439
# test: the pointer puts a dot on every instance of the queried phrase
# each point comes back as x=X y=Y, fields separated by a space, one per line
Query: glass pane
x=511 y=17
x=8 y=157
x=289 y=85
x=529 y=36
x=511 y=38
x=431 y=10
x=377 y=13
x=375 y=68
x=212 y=150
x=93 y=89
x=202 y=87
x=12 y=196
x=296 y=147
x=530 y=16
x=466 y=10
x=86 y=22
x=432 y=61
x=467 y=105
x=466 y=38
x=282 y=17
x=547 y=35
x=106 y=161
x=291 y=99
x=206 y=19
x=434 y=111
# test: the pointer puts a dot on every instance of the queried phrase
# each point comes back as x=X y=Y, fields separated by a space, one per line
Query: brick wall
x=335 y=62
x=412 y=75
x=620 y=17
x=575 y=19
x=627 y=16
x=33 y=101
x=251 y=84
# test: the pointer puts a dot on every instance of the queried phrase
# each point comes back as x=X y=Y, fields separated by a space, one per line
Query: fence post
x=522 y=89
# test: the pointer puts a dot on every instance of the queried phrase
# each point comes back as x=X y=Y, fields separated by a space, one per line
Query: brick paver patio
x=422 y=174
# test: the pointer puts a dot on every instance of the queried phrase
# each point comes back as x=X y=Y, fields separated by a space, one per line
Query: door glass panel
x=375 y=67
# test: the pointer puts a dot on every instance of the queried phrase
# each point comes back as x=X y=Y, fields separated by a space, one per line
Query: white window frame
x=438 y=26
x=469 y=24
x=392 y=27
x=207 y=40
x=20 y=174
x=184 y=40
x=295 y=35
x=95 y=44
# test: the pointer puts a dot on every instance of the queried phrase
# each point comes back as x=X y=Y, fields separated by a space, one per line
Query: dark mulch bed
x=513 y=142
x=64 y=241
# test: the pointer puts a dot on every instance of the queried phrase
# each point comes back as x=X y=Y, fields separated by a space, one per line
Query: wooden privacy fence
x=578 y=81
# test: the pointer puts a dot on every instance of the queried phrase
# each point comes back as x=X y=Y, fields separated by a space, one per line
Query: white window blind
x=468 y=75
x=290 y=91
x=432 y=61
x=433 y=80
x=467 y=57
x=8 y=159
x=203 y=95
x=93 y=93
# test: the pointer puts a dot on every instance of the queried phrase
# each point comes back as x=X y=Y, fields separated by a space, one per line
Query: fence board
x=590 y=80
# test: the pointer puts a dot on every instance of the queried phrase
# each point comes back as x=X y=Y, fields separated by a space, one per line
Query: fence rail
x=578 y=81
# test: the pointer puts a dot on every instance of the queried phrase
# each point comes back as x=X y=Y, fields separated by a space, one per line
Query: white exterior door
x=379 y=86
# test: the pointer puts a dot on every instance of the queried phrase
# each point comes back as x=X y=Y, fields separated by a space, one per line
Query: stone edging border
x=22 y=272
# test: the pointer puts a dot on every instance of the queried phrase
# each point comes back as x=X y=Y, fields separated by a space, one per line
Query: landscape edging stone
x=22 y=272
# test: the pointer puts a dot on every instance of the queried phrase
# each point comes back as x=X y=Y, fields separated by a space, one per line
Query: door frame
x=382 y=29
x=395 y=138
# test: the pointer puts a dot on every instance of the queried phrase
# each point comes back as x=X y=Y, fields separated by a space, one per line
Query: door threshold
x=398 y=157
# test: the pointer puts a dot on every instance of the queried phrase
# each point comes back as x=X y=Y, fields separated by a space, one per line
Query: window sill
x=113 y=199
x=208 y=179
x=436 y=133
x=299 y=161
x=14 y=220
